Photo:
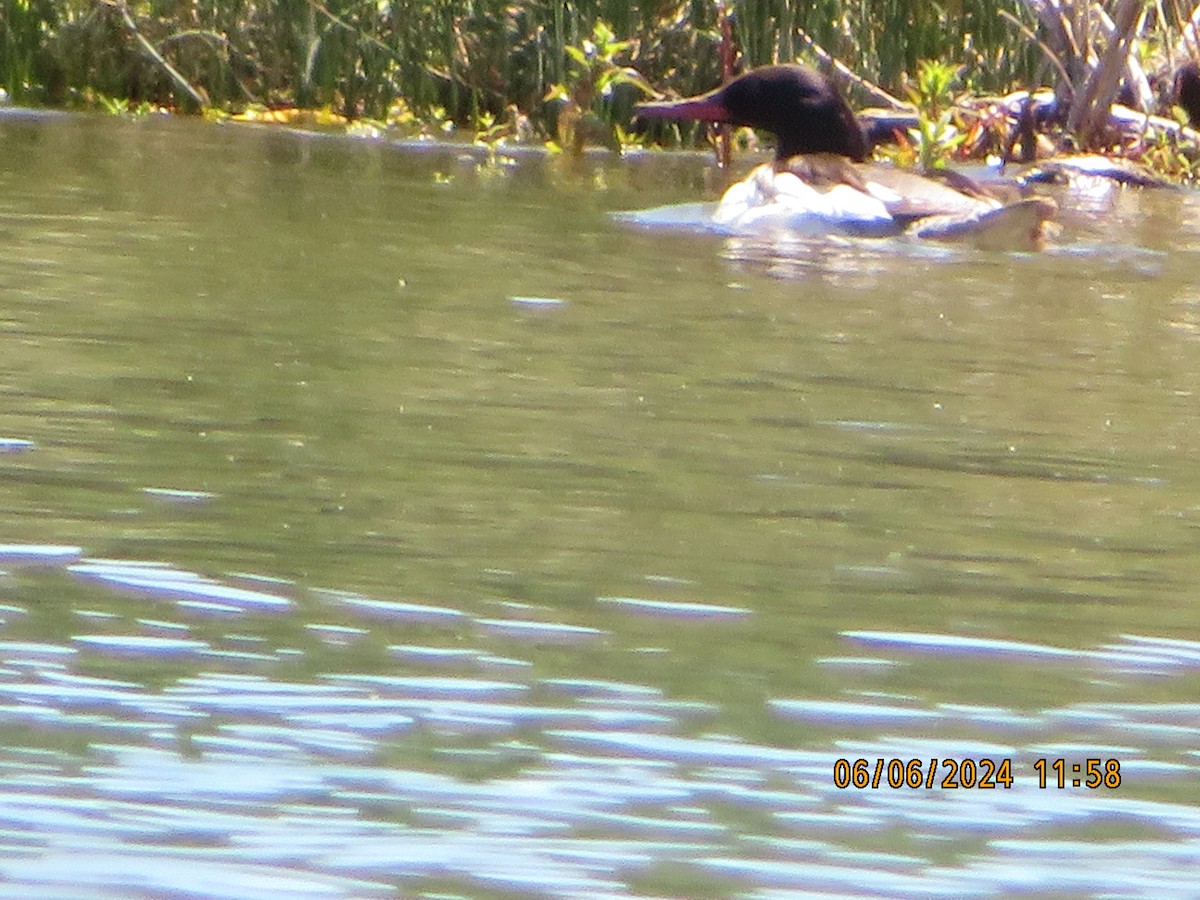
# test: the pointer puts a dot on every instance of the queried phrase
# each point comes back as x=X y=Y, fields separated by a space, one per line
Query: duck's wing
x=950 y=208
x=1023 y=225
x=909 y=196
x=959 y=210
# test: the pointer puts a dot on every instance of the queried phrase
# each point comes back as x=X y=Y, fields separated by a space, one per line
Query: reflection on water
x=377 y=527
x=494 y=777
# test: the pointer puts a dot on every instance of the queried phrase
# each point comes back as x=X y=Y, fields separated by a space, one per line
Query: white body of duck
x=873 y=203
x=767 y=200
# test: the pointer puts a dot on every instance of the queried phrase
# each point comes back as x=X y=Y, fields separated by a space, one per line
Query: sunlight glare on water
x=375 y=525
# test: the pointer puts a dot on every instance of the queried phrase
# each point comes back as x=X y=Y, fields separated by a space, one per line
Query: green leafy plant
x=1165 y=154
x=120 y=106
x=492 y=135
x=586 y=94
x=938 y=133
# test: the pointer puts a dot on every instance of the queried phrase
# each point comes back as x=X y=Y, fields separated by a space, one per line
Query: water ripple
x=360 y=783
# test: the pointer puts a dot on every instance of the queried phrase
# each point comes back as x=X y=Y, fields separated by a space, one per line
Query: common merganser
x=820 y=178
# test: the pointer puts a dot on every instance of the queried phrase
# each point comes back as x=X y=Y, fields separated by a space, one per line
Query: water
x=379 y=526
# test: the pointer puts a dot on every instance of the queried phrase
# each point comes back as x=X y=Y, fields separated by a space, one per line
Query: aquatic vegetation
x=121 y=106
x=939 y=132
x=1172 y=158
x=491 y=135
x=586 y=94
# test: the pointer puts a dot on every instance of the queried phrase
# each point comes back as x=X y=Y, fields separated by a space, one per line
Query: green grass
x=361 y=55
x=363 y=58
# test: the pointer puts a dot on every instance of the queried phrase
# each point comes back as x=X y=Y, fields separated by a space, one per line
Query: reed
x=23 y=25
x=363 y=58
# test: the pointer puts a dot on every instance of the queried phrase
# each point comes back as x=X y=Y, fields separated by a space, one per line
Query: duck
x=821 y=179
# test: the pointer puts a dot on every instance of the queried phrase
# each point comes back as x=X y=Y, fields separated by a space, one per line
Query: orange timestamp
x=984 y=773
x=949 y=774
x=1088 y=773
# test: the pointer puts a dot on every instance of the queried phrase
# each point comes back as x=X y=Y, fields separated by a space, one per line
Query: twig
x=1186 y=47
x=437 y=72
x=182 y=83
x=218 y=41
x=1134 y=119
x=725 y=130
x=1089 y=116
x=1046 y=48
x=877 y=94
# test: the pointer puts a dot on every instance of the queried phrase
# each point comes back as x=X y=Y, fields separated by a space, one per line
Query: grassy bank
x=482 y=61
x=359 y=58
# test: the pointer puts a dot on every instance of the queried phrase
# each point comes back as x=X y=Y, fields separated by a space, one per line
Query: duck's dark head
x=1187 y=91
x=798 y=105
